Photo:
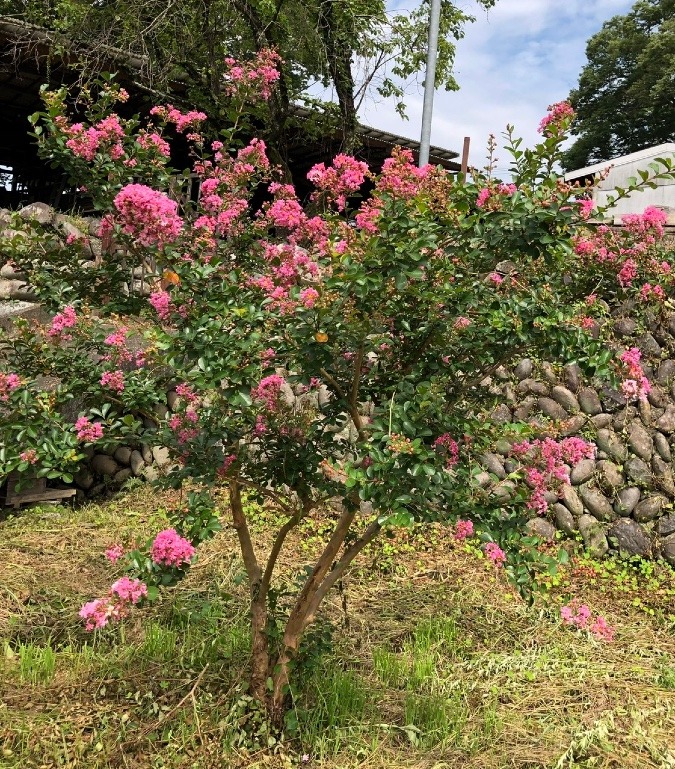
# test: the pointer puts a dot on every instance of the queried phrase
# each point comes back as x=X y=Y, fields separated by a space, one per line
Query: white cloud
x=513 y=62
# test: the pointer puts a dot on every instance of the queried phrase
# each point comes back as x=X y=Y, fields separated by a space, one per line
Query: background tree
x=355 y=48
x=624 y=100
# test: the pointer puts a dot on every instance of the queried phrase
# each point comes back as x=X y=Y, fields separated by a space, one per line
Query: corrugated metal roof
x=660 y=150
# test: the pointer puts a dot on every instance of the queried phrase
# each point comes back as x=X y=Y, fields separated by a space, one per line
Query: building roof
x=646 y=154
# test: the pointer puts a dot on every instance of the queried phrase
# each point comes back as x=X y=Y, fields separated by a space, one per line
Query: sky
x=513 y=62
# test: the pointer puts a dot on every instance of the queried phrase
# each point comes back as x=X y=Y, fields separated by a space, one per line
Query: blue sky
x=513 y=62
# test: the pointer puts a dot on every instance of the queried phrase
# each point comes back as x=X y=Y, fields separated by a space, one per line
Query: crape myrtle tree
x=357 y=49
x=624 y=99
x=314 y=358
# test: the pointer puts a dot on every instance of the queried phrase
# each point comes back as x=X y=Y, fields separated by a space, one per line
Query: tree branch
x=241 y=527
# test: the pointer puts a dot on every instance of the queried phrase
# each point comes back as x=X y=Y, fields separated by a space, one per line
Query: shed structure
x=619 y=171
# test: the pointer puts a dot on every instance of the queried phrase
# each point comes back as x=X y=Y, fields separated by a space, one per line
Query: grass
x=426 y=660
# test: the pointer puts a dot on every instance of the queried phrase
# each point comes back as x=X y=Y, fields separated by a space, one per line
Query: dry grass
x=490 y=682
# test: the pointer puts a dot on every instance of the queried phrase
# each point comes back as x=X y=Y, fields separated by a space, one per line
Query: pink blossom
x=496 y=278
x=227 y=463
x=255 y=78
x=308 y=297
x=627 y=273
x=88 y=432
x=161 y=301
x=338 y=182
x=30 y=455
x=580 y=616
x=495 y=553
x=170 y=549
x=586 y=207
x=559 y=115
x=123 y=594
x=128 y=589
x=446 y=445
x=62 y=320
x=461 y=323
x=113 y=380
x=463 y=529
x=114 y=553
x=153 y=141
x=268 y=391
x=182 y=120
x=483 y=197
x=148 y=215
x=8 y=383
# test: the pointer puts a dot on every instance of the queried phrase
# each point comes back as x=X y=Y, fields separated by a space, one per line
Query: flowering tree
x=338 y=355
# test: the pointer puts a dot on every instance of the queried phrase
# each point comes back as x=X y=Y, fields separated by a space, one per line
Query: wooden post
x=465 y=155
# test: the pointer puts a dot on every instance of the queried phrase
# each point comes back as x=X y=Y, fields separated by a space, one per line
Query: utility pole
x=430 y=81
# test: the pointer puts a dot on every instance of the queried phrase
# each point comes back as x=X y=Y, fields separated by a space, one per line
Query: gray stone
x=659 y=398
x=8 y=272
x=668 y=549
x=39 y=212
x=123 y=455
x=572 y=375
x=150 y=473
x=104 y=465
x=601 y=421
x=501 y=414
x=564 y=519
x=666 y=482
x=621 y=418
x=504 y=491
x=597 y=503
x=593 y=535
x=533 y=387
x=510 y=394
x=637 y=470
x=660 y=466
x=566 y=398
x=571 y=499
x=493 y=464
x=123 y=475
x=665 y=373
x=640 y=441
x=648 y=345
x=97 y=490
x=172 y=399
x=160 y=456
x=160 y=410
x=630 y=537
x=524 y=369
x=503 y=447
x=551 y=409
x=625 y=326
x=548 y=373
x=589 y=401
x=611 y=399
x=482 y=479
x=146 y=453
x=83 y=478
x=649 y=508
x=510 y=466
x=540 y=527
x=666 y=423
x=523 y=411
x=608 y=441
x=645 y=411
x=666 y=525
x=626 y=500
x=582 y=471
x=610 y=477
x=662 y=446
x=136 y=462
x=573 y=425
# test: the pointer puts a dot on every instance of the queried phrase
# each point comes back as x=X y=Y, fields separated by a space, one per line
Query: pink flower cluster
x=154 y=142
x=148 y=215
x=461 y=323
x=492 y=196
x=114 y=553
x=62 y=320
x=547 y=460
x=495 y=553
x=88 y=432
x=449 y=447
x=254 y=78
x=161 y=301
x=463 y=530
x=185 y=425
x=122 y=595
x=8 y=383
x=580 y=616
x=268 y=391
x=288 y=266
x=340 y=180
x=86 y=142
x=636 y=386
x=558 y=115
x=652 y=292
x=182 y=120
x=30 y=456
x=651 y=221
x=114 y=380
x=170 y=549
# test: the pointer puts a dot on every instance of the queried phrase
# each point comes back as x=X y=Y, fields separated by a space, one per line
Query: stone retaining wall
x=623 y=499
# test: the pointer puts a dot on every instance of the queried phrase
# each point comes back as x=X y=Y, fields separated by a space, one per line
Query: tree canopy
x=624 y=100
x=356 y=48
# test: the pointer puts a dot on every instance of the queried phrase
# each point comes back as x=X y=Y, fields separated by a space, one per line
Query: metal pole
x=430 y=81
